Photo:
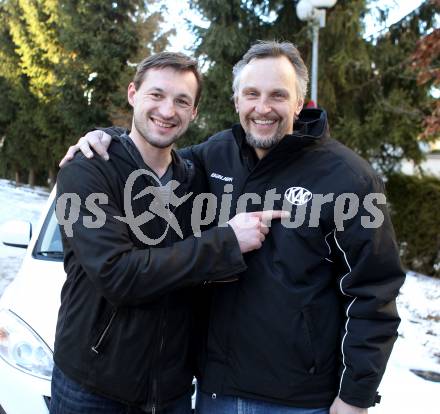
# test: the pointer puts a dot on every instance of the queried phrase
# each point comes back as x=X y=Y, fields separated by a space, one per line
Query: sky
x=178 y=11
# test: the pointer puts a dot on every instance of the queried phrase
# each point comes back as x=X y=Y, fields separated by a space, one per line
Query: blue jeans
x=221 y=404
x=68 y=397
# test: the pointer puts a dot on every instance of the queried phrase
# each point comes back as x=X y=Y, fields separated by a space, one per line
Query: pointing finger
x=268 y=215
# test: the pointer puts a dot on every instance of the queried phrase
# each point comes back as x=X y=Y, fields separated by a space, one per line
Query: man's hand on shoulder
x=98 y=140
x=340 y=407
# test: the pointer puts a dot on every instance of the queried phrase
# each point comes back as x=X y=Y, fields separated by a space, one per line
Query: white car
x=28 y=316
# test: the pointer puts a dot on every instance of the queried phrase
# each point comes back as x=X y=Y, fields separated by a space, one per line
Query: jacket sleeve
x=370 y=278
x=123 y=273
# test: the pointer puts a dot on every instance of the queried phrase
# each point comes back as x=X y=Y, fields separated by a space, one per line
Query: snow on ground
x=418 y=346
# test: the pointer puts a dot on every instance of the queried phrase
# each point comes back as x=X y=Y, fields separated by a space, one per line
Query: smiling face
x=267 y=101
x=163 y=105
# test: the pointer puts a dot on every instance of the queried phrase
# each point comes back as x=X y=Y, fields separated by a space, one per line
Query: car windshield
x=49 y=243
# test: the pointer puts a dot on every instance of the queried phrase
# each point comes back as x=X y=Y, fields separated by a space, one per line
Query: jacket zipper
x=163 y=323
x=311 y=370
x=104 y=333
x=155 y=396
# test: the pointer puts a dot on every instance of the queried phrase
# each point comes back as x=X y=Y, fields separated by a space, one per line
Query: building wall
x=431 y=166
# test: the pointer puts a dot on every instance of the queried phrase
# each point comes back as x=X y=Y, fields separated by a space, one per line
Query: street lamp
x=314 y=12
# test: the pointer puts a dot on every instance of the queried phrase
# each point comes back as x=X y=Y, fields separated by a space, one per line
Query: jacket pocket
x=96 y=348
x=323 y=324
x=309 y=343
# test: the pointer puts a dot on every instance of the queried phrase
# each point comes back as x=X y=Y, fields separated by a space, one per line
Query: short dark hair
x=178 y=61
x=270 y=48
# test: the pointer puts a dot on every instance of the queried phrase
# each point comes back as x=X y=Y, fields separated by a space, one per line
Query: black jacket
x=314 y=314
x=125 y=319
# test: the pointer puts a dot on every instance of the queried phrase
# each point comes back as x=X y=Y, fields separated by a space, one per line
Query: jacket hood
x=311 y=123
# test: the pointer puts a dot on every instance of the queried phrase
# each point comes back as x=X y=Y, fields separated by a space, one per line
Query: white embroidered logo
x=221 y=177
x=298 y=195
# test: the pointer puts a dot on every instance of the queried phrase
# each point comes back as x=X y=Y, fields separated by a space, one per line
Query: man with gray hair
x=310 y=324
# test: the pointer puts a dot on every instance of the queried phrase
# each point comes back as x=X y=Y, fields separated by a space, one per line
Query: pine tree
x=17 y=122
x=393 y=105
x=63 y=62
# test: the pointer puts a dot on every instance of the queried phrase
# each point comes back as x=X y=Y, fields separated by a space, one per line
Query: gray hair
x=265 y=49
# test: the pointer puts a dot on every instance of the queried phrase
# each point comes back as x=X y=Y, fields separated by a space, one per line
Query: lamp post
x=314 y=12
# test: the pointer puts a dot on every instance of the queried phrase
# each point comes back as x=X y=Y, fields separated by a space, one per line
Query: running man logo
x=298 y=196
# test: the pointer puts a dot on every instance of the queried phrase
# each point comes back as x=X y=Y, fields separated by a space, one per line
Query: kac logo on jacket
x=298 y=195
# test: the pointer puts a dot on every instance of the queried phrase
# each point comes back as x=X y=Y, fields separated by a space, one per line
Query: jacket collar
x=183 y=170
x=309 y=129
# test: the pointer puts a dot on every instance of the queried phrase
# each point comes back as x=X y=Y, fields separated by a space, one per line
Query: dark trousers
x=68 y=397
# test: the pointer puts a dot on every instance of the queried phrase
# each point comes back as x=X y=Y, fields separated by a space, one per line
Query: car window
x=49 y=245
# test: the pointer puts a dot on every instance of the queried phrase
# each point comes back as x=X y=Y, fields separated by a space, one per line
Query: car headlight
x=22 y=348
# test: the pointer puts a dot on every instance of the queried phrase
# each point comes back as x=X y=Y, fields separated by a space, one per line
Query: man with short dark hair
x=310 y=325
x=125 y=323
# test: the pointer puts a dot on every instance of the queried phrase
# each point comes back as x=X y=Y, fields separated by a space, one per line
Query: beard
x=263 y=143
x=157 y=142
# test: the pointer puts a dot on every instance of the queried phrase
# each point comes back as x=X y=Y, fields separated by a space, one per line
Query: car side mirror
x=16 y=233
